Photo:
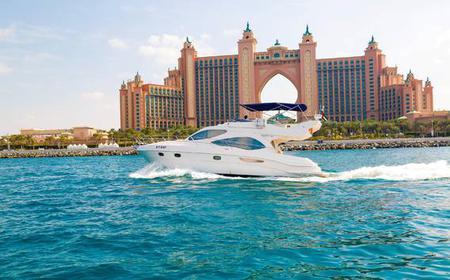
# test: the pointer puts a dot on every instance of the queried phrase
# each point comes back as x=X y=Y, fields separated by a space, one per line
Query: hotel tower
x=205 y=91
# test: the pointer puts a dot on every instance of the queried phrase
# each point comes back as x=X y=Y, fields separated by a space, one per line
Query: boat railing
x=260 y=123
x=143 y=140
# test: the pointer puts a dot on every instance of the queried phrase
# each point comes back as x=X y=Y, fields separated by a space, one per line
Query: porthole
x=161 y=154
x=217 y=157
x=177 y=155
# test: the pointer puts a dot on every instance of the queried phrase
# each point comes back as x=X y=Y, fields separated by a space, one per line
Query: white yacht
x=240 y=148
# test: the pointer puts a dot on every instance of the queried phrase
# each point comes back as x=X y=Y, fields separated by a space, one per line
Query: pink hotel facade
x=205 y=91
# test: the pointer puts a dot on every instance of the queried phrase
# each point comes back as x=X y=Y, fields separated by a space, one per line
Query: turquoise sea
x=384 y=214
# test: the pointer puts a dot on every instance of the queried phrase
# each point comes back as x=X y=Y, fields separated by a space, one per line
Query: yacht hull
x=228 y=161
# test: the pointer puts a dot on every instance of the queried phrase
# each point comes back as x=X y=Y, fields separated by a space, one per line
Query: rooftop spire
x=307 y=31
x=410 y=76
x=137 y=78
x=247 y=29
x=187 y=40
x=276 y=43
x=372 y=40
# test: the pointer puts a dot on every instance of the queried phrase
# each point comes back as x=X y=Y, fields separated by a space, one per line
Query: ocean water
x=381 y=214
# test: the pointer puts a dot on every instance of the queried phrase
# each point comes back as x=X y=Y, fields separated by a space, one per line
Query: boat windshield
x=205 y=134
x=246 y=143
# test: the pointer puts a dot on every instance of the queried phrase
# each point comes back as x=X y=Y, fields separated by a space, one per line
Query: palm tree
x=419 y=128
x=22 y=141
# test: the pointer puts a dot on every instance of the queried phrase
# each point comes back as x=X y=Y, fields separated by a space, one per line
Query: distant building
x=41 y=134
x=83 y=133
x=398 y=97
x=147 y=105
x=78 y=134
x=428 y=116
x=205 y=91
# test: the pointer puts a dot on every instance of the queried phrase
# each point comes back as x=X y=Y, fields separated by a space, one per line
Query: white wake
x=152 y=171
x=407 y=172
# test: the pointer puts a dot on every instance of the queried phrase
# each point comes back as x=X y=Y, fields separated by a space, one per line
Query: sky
x=62 y=62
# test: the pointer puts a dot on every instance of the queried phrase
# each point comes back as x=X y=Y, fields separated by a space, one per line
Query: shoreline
x=364 y=144
x=359 y=144
x=123 y=151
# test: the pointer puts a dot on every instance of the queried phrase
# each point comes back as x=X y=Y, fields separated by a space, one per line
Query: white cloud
x=203 y=46
x=159 y=76
x=93 y=95
x=165 y=48
x=6 y=33
x=5 y=69
x=117 y=43
x=232 y=32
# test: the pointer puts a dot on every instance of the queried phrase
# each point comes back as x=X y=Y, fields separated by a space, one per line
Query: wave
x=153 y=170
x=406 y=172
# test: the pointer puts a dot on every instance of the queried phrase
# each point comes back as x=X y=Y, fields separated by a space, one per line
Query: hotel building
x=205 y=91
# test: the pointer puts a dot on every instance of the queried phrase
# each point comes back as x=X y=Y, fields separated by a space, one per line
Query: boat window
x=246 y=143
x=161 y=154
x=217 y=157
x=205 y=134
x=177 y=155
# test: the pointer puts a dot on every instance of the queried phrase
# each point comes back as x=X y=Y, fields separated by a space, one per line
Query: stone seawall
x=293 y=146
x=67 y=153
x=368 y=144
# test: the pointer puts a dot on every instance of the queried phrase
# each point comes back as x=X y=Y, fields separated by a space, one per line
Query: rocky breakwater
x=368 y=144
x=67 y=153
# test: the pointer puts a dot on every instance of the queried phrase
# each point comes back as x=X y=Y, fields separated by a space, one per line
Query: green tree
x=63 y=141
x=22 y=141
x=420 y=129
x=50 y=141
